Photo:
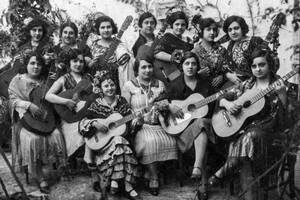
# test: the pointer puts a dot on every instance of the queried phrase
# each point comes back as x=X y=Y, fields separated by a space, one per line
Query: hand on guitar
x=100 y=127
x=138 y=121
x=217 y=81
x=36 y=111
x=70 y=104
x=176 y=111
x=204 y=72
x=124 y=59
x=231 y=107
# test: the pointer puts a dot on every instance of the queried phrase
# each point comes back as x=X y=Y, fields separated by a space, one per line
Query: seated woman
x=214 y=60
x=116 y=163
x=120 y=63
x=247 y=149
x=198 y=131
x=73 y=59
x=33 y=151
x=152 y=144
x=170 y=47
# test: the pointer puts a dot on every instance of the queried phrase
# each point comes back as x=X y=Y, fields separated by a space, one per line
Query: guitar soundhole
x=112 y=125
x=247 y=104
x=191 y=107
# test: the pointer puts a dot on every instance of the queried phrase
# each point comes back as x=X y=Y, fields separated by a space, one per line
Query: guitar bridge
x=226 y=118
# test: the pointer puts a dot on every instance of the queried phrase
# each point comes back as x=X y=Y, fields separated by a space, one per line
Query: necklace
x=147 y=92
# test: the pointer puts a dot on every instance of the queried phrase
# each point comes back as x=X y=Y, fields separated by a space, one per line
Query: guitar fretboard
x=128 y=118
x=262 y=93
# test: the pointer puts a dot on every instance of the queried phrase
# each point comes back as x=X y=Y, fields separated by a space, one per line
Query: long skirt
x=153 y=144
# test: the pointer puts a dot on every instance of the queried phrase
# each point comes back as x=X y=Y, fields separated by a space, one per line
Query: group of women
x=130 y=82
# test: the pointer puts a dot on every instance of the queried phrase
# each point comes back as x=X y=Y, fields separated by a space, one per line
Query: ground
x=80 y=188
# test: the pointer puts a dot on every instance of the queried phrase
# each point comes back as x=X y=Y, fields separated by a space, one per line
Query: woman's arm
x=163 y=56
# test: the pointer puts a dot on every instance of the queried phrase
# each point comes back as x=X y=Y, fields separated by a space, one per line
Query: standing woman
x=68 y=40
x=120 y=64
x=32 y=151
x=247 y=151
x=166 y=49
x=74 y=60
x=214 y=60
x=240 y=48
x=152 y=144
x=116 y=163
x=147 y=23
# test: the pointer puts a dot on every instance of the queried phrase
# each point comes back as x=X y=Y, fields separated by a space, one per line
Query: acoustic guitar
x=193 y=107
x=116 y=125
x=83 y=95
x=252 y=101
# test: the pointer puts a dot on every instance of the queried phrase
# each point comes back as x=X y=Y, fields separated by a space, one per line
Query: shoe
x=43 y=186
x=196 y=174
x=214 y=181
x=130 y=197
x=153 y=187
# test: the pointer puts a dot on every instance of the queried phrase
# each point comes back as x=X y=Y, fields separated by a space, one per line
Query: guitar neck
x=262 y=93
x=128 y=118
x=112 y=47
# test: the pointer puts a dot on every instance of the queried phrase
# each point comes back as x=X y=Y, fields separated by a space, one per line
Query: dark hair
x=144 y=16
x=145 y=52
x=67 y=54
x=34 y=23
x=241 y=21
x=177 y=15
x=39 y=59
x=69 y=24
x=101 y=19
x=268 y=54
x=187 y=55
x=206 y=22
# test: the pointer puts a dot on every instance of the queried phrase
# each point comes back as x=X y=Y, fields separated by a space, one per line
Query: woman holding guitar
x=116 y=163
x=214 y=60
x=240 y=48
x=168 y=50
x=120 y=63
x=247 y=150
x=152 y=144
x=198 y=132
x=32 y=150
x=73 y=59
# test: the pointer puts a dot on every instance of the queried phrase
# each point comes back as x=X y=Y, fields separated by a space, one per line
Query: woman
x=120 y=64
x=68 y=40
x=74 y=60
x=214 y=61
x=198 y=132
x=147 y=23
x=240 y=48
x=151 y=143
x=171 y=46
x=248 y=149
x=33 y=151
x=116 y=163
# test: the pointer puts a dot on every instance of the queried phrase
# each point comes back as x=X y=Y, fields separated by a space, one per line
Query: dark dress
x=139 y=42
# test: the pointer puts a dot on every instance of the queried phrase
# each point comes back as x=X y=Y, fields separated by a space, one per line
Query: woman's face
x=34 y=67
x=68 y=36
x=145 y=70
x=179 y=27
x=77 y=65
x=105 y=30
x=210 y=33
x=148 y=26
x=189 y=67
x=108 y=88
x=235 y=31
x=260 y=68
x=36 y=33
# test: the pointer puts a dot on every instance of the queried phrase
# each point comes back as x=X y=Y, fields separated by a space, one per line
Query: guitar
x=116 y=125
x=252 y=101
x=83 y=95
x=102 y=61
x=193 y=107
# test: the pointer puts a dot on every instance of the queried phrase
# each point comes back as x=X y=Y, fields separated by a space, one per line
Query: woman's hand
x=176 y=111
x=233 y=78
x=231 y=107
x=138 y=121
x=36 y=111
x=70 y=104
x=100 y=127
x=217 y=81
x=204 y=72
x=124 y=59
x=48 y=57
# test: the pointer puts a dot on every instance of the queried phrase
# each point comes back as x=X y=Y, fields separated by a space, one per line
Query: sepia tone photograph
x=149 y=100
